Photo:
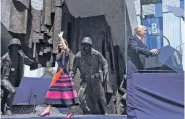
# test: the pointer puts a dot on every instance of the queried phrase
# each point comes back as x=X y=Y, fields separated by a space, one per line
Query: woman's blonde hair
x=62 y=50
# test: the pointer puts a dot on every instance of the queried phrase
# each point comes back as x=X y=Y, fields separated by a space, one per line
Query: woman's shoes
x=69 y=115
x=43 y=115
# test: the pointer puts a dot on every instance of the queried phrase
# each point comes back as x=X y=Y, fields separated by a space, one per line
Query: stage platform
x=62 y=116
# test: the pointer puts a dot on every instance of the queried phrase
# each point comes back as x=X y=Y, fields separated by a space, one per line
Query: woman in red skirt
x=62 y=91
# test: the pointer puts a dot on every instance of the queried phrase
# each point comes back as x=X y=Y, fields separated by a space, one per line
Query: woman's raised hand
x=61 y=34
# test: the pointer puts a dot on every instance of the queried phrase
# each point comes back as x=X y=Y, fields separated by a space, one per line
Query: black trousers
x=8 y=95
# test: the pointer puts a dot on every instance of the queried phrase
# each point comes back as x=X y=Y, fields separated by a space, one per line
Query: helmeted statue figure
x=93 y=86
x=11 y=73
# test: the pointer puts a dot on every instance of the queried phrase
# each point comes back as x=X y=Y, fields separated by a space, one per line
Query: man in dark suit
x=137 y=50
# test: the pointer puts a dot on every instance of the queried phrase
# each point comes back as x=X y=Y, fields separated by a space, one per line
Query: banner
x=154 y=25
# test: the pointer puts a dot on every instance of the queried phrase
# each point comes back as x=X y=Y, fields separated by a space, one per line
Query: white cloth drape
x=38 y=72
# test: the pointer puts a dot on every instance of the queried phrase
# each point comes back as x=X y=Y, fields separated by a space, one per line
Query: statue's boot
x=8 y=112
x=3 y=102
x=9 y=103
x=84 y=107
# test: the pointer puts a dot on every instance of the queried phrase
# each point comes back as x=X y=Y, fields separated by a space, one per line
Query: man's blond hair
x=138 y=28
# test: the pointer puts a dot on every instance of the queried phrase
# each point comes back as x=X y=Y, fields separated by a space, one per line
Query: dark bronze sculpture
x=94 y=82
x=11 y=73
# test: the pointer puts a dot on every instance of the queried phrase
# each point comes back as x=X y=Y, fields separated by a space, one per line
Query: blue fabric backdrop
x=156 y=96
x=30 y=87
x=150 y=96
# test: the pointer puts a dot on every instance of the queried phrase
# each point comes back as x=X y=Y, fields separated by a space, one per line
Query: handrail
x=157 y=34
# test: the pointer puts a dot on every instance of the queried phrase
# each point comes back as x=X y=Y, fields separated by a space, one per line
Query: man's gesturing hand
x=154 y=51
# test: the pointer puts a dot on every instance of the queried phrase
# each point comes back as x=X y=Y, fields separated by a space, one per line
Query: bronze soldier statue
x=92 y=91
x=11 y=73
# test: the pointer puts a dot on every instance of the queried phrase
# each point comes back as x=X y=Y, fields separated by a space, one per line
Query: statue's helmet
x=87 y=40
x=15 y=41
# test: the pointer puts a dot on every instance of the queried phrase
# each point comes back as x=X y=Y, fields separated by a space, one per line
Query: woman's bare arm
x=62 y=40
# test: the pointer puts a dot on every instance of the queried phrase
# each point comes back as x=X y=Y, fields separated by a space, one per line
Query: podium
x=168 y=60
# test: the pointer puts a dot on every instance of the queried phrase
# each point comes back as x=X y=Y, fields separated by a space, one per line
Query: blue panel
x=158 y=10
x=182 y=4
x=153 y=41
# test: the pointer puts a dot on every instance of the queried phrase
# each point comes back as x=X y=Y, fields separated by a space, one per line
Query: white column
x=183 y=42
x=171 y=23
x=132 y=14
x=138 y=11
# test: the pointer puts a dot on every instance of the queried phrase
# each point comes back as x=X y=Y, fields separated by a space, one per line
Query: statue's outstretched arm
x=26 y=59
